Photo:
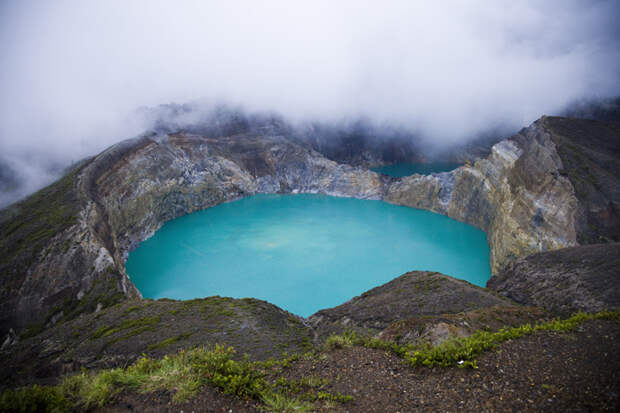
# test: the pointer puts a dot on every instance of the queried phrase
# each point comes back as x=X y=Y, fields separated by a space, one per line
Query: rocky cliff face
x=142 y=184
x=120 y=197
x=590 y=154
x=520 y=195
x=63 y=249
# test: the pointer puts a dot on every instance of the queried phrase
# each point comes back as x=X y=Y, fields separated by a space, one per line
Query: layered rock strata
x=529 y=195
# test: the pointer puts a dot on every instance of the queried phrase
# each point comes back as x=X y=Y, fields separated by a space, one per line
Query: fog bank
x=76 y=73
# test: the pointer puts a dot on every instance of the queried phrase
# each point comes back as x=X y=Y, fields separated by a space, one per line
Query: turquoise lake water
x=405 y=169
x=302 y=252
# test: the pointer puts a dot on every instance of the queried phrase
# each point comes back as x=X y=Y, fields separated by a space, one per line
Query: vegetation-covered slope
x=63 y=250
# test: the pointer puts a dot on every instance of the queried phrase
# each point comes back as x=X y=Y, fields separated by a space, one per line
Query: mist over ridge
x=78 y=76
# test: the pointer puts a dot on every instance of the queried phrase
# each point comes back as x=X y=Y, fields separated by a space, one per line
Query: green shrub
x=279 y=403
x=348 y=339
x=92 y=390
x=34 y=399
x=234 y=377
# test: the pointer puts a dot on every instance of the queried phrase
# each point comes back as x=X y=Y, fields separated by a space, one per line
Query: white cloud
x=73 y=71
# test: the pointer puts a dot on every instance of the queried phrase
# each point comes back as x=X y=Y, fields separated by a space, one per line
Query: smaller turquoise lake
x=302 y=252
x=399 y=170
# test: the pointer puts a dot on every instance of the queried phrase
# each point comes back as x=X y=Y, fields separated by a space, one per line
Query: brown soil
x=208 y=400
x=547 y=371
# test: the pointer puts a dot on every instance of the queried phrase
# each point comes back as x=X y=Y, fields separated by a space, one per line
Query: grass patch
x=140 y=324
x=183 y=374
x=34 y=399
x=168 y=341
x=276 y=402
x=310 y=389
x=348 y=339
x=462 y=351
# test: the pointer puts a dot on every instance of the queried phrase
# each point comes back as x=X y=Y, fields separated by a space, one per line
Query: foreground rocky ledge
x=531 y=369
x=417 y=308
x=119 y=334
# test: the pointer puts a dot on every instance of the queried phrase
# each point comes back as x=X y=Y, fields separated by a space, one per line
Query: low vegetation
x=183 y=374
x=27 y=226
x=35 y=399
x=462 y=351
x=143 y=322
x=186 y=372
x=168 y=341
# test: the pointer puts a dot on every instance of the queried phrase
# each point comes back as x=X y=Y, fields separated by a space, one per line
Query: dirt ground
x=551 y=372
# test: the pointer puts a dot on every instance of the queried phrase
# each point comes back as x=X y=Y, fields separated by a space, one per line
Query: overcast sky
x=72 y=72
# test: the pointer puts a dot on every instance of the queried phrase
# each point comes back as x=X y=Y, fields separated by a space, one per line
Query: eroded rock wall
x=123 y=195
x=169 y=176
x=590 y=154
x=516 y=195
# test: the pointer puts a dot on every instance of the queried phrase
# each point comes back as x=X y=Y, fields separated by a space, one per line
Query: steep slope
x=532 y=194
x=63 y=249
x=119 y=335
x=584 y=278
x=590 y=154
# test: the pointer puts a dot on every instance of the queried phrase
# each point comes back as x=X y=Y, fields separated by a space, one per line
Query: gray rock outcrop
x=584 y=278
x=528 y=195
x=416 y=293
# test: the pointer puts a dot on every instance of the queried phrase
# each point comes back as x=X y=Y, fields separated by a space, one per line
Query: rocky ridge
x=414 y=294
x=417 y=307
x=63 y=249
x=517 y=195
x=585 y=278
x=122 y=196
